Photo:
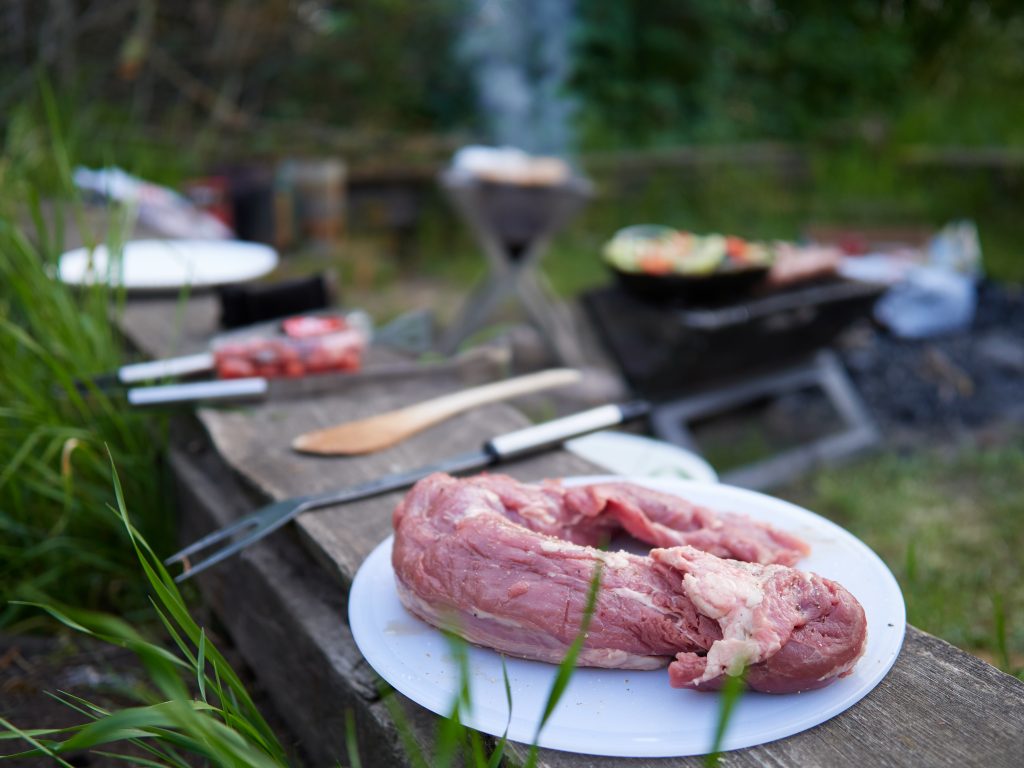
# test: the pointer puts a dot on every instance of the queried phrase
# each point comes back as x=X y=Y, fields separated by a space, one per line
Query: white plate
x=624 y=712
x=157 y=265
x=638 y=456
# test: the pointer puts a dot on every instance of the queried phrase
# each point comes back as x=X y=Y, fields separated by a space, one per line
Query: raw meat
x=507 y=566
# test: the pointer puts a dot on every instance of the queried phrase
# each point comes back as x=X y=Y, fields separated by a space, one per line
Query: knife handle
x=552 y=433
x=222 y=389
x=168 y=368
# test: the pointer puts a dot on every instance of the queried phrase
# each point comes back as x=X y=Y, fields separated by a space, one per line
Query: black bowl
x=715 y=288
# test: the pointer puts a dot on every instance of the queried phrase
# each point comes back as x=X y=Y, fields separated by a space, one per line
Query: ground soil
x=34 y=669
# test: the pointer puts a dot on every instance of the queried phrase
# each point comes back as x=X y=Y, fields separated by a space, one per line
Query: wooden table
x=284 y=600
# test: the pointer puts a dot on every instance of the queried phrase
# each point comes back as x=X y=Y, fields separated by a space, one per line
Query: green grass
x=195 y=703
x=55 y=538
x=53 y=440
x=950 y=525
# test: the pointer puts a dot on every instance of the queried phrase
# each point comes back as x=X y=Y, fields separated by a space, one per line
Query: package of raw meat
x=304 y=345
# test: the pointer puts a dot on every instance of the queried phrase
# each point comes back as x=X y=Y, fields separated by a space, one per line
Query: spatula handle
x=438 y=409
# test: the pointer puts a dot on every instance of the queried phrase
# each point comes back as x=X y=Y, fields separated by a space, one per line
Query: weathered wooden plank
x=287 y=620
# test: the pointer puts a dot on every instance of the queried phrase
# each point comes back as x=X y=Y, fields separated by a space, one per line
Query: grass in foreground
x=950 y=525
x=55 y=537
x=195 y=704
x=54 y=440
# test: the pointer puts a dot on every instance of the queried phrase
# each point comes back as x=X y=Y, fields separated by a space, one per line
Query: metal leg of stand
x=511 y=278
x=521 y=283
x=554 y=325
x=825 y=371
x=481 y=303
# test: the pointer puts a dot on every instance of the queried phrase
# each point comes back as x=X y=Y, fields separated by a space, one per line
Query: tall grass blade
x=352 y=740
x=729 y=696
x=40 y=748
x=568 y=664
x=451 y=732
x=222 y=726
x=499 y=749
x=409 y=744
x=201 y=665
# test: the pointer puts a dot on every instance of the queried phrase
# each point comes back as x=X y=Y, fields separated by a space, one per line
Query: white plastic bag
x=940 y=296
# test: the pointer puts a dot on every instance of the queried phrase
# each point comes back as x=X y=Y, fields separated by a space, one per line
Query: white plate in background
x=638 y=456
x=160 y=265
x=627 y=713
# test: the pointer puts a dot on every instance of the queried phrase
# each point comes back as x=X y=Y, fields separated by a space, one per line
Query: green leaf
x=352 y=740
x=568 y=664
x=201 y=665
x=729 y=696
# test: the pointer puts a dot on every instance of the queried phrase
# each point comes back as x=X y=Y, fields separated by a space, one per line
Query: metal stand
x=669 y=420
x=512 y=272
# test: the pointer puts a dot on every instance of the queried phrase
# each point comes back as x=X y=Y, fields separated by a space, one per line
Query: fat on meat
x=507 y=566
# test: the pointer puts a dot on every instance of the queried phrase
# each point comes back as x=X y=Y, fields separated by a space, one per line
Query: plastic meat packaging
x=305 y=345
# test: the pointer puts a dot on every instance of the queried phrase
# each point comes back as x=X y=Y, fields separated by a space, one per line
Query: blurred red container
x=307 y=345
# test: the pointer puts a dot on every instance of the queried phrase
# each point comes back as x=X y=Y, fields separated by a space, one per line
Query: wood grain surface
x=256 y=442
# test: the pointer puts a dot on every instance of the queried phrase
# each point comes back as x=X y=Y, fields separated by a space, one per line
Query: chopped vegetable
x=657 y=250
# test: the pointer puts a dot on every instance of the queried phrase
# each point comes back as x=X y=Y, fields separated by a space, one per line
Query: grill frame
x=669 y=349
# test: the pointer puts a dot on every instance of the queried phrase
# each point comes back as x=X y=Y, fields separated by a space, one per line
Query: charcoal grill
x=514 y=225
x=696 y=361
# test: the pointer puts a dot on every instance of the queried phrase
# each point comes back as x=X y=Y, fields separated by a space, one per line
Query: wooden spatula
x=384 y=430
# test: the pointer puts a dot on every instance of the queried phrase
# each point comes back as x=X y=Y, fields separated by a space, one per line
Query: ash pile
x=966 y=381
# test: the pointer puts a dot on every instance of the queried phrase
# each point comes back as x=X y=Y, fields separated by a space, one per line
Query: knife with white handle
x=512 y=445
x=253 y=388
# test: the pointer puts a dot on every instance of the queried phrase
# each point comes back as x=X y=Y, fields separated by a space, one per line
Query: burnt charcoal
x=966 y=380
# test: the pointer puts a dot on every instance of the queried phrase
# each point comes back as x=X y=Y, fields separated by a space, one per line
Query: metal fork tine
x=219 y=555
x=213 y=538
x=261 y=523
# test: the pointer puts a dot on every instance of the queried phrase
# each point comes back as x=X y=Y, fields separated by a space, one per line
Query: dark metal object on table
x=505 y=447
x=698 y=361
x=242 y=305
x=717 y=287
x=668 y=348
x=514 y=224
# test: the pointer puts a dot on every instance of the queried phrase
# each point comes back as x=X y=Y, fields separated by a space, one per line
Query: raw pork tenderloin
x=507 y=566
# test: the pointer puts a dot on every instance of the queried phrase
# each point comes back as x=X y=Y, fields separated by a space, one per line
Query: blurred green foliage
x=58 y=536
x=948 y=524
x=644 y=73
x=700 y=70
x=169 y=91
